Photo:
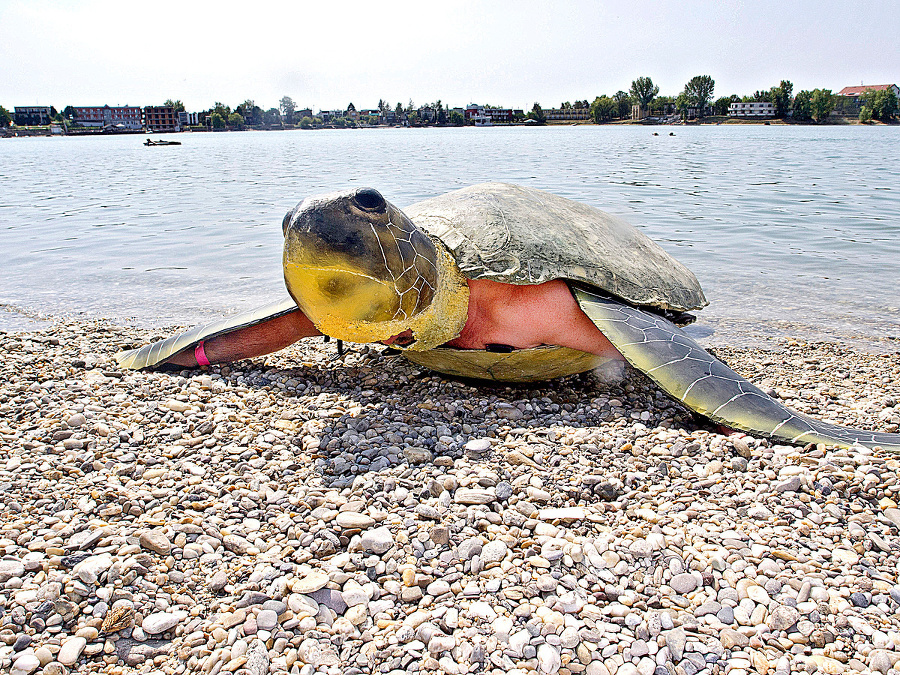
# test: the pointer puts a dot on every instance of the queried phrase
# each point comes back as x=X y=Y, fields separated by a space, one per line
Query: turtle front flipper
x=157 y=352
x=690 y=374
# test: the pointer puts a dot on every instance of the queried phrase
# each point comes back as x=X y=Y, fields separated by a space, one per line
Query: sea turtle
x=502 y=282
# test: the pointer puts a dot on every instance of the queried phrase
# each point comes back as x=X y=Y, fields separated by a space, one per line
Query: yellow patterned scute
x=362 y=272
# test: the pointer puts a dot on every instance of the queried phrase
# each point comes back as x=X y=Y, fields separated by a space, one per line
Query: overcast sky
x=326 y=54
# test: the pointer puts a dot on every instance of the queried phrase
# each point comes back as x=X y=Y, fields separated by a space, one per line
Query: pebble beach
x=309 y=513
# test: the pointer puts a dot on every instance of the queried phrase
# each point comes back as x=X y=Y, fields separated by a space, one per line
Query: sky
x=325 y=55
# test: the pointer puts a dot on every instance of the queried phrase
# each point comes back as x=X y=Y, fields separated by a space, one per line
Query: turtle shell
x=519 y=235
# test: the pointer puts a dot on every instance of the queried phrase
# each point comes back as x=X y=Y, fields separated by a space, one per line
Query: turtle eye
x=369 y=200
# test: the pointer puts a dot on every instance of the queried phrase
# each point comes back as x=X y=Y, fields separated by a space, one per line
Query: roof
x=862 y=89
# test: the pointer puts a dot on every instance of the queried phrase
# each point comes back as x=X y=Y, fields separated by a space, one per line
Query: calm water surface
x=792 y=231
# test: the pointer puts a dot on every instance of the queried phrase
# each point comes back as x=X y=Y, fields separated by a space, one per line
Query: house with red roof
x=847 y=103
x=856 y=92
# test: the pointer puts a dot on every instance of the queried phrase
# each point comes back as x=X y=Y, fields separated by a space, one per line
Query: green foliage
x=643 y=91
x=236 y=120
x=272 y=117
x=699 y=92
x=177 y=105
x=218 y=122
x=537 y=114
x=882 y=104
x=457 y=119
x=720 y=107
x=662 y=104
x=306 y=122
x=821 y=103
x=5 y=117
x=287 y=107
x=603 y=109
x=802 y=106
x=780 y=97
x=412 y=118
x=339 y=122
x=69 y=113
x=623 y=104
x=865 y=114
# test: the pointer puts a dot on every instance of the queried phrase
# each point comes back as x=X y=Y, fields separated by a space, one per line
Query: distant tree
x=177 y=105
x=882 y=104
x=217 y=121
x=339 y=122
x=623 y=104
x=440 y=113
x=565 y=105
x=272 y=117
x=457 y=119
x=662 y=104
x=398 y=110
x=351 y=107
x=236 y=120
x=802 y=108
x=603 y=109
x=222 y=109
x=537 y=114
x=682 y=103
x=5 y=117
x=69 y=113
x=821 y=103
x=412 y=118
x=781 y=97
x=720 y=107
x=287 y=107
x=699 y=91
x=865 y=114
x=643 y=91
x=306 y=122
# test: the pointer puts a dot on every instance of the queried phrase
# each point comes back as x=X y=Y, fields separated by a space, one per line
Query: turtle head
x=363 y=272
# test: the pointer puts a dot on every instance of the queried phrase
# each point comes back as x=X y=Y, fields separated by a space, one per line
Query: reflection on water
x=791 y=230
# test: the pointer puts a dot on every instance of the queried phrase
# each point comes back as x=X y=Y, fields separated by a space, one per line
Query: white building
x=752 y=109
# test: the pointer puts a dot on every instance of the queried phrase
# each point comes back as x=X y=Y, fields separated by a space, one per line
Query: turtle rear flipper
x=693 y=376
x=157 y=352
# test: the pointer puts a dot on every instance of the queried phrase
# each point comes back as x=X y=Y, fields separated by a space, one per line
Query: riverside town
x=642 y=104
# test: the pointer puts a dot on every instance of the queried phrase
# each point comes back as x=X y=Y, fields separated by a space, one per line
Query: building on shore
x=567 y=114
x=753 y=109
x=188 y=119
x=485 y=116
x=109 y=117
x=31 y=116
x=162 y=118
x=847 y=103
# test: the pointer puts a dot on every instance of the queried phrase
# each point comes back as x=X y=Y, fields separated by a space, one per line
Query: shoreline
x=298 y=513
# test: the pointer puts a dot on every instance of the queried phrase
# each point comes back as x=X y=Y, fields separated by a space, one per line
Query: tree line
x=696 y=99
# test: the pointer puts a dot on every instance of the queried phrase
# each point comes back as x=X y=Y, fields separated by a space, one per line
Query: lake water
x=792 y=231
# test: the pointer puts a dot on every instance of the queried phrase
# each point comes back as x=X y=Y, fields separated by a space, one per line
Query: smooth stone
x=156 y=541
x=160 y=622
x=782 y=617
x=377 y=541
x=70 y=651
x=683 y=583
x=311 y=582
x=25 y=664
x=267 y=619
x=549 y=660
x=493 y=552
x=474 y=496
x=350 y=520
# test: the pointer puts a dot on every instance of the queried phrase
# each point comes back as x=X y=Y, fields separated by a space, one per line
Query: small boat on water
x=152 y=142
